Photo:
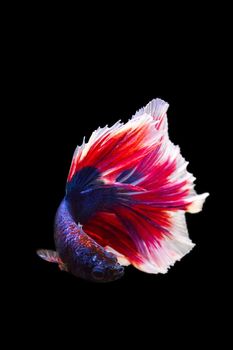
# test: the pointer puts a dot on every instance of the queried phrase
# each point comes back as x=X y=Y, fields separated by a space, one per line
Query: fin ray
x=49 y=255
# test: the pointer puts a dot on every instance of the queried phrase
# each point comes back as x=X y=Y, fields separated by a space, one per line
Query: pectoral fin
x=49 y=255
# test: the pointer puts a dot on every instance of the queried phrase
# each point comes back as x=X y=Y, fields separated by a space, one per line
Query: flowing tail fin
x=145 y=222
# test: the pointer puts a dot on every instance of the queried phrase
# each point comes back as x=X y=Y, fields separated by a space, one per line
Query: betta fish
x=126 y=196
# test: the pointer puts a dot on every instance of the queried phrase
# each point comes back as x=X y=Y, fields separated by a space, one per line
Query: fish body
x=126 y=196
x=83 y=257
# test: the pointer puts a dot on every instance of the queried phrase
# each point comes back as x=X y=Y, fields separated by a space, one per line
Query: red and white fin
x=49 y=255
x=146 y=226
x=171 y=248
x=53 y=257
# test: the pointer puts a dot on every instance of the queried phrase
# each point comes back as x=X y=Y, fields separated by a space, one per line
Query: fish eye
x=98 y=274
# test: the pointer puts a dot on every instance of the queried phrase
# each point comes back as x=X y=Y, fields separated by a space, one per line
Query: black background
x=67 y=107
x=70 y=84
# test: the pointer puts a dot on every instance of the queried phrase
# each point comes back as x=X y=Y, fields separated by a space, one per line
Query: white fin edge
x=197 y=202
x=157 y=108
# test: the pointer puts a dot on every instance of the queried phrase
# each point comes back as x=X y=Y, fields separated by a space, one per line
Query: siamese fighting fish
x=126 y=196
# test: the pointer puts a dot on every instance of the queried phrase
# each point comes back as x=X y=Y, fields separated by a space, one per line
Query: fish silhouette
x=126 y=196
